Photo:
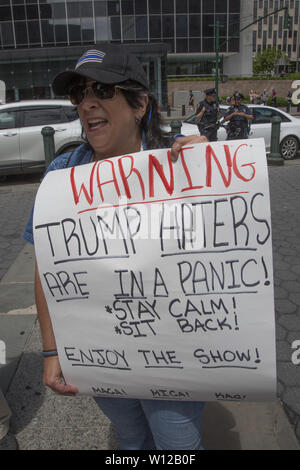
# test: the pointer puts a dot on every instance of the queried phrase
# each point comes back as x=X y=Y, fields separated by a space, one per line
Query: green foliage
x=264 y=63
x=280 y=102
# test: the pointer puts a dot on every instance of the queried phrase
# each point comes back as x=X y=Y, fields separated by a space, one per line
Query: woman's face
x=111 y=125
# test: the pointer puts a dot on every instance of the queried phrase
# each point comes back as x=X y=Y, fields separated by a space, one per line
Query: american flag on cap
x=91 y=56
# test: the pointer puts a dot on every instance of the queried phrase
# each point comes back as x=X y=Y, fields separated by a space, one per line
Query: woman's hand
x=53 y=377
x=182 y=141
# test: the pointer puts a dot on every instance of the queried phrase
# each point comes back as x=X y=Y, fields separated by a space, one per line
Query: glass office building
x=39 y=38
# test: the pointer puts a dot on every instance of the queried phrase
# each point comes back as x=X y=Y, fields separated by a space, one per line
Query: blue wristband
x=50 y=353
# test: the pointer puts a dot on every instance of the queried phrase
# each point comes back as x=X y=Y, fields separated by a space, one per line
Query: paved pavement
x=42 y=420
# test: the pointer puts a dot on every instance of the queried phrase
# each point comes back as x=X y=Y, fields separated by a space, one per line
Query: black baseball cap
x=239 y=96
x=110 y=65
x=210 y=91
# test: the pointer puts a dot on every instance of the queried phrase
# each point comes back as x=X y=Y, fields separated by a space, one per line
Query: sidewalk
x=43 y=420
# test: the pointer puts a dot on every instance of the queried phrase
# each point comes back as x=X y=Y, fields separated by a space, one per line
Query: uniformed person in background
x=207 y=115
x=238 y=116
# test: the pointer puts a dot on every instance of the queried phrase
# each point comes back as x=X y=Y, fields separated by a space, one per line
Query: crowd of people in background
x=261 y=98
x=254 y=98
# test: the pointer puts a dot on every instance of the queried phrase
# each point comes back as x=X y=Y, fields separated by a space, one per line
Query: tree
x=265 y=62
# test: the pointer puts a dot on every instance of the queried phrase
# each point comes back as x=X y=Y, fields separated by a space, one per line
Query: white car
x=21 y=141
x=261 y=127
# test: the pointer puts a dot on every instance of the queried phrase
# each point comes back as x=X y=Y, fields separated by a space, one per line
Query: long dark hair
x=152 y=122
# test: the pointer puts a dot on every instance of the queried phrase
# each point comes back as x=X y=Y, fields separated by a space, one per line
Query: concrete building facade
x=172 y=38
x=270 y=32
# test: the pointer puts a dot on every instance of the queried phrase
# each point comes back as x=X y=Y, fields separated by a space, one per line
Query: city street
x=37 y=411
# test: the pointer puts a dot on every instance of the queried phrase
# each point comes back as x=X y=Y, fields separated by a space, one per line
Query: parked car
x=260 y=127
x=21 y=141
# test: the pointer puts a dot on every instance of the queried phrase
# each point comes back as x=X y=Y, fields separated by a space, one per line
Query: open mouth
x=96 y=124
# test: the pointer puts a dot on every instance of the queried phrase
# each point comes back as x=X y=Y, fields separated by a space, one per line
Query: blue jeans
x=154 y=424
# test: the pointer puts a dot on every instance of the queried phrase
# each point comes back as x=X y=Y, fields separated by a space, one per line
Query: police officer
x=238 y=116
x=207 y=115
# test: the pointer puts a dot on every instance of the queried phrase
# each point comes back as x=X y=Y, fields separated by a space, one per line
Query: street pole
x=217 y=62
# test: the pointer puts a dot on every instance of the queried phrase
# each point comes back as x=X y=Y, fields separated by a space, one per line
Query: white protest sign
x=158 y=276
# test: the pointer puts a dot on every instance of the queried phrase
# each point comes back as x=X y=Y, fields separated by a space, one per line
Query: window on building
x=222 y=19
x=115 y=27
x=270 y=28
x=113 y=7
x=34 y=33
x=208 y=25
x=21 y=33
x=32 y=12
x=74 y=30
x=295 y=41
x=221 y=6
x=254 y=33
x=168 y=26
x=234 y=6
x=280 y=27
x=181 y=26
x=7 y=34
x=57 y=10
x=265 y=11
x=141 y=7
x=208 y=45
x=154 y=7
x=87 y=29
x=128 y=28
x=274 y=38
x=194 y=45
x=60 y=31
x=47 y=33
x=155 y=26
x=168 y=6
x=194 y=26
x=296 y=12
x=284 y=41
x=207 y=6
x=100 y=8
x=19 y=12
x=259 y=29
x=5 y=14
x=181 y=6
x=181 y=45
x=264 y=39
x=73 y=9
x=255 y=10
x=290 y=30
x=127 y=7
x=194 y=6
x=141 y=27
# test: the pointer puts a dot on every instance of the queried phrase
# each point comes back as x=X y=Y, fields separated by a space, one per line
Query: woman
x=118 y=117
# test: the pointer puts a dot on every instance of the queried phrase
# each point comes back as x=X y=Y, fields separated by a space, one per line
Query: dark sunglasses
x=77 y=93
x=104 y=92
